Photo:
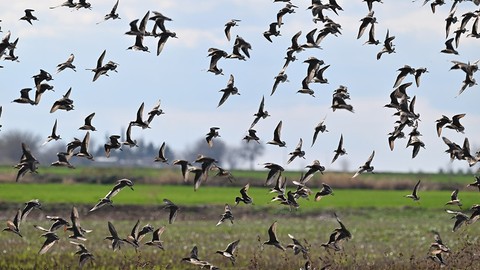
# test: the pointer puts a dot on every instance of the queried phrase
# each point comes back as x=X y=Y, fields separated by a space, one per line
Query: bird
x=276 y=136
x=88 y=123
x=24 y=97
x=84 y=148
x=137 y=235
x=240 y=47
x=261 y=113
x=29 y=206
x=288 y=9
x=418 y=73
x=173 y=210
x=64 y=103
x=84 y=254
x=454 y=199
x=67 y=64
x=245 y=198
x=28 y=162
x=58 y=222
x=371 y=36
x=14 y=225
x=442 y=122
x=107 y=200
x=367 y=167
x=213 y=133
x=29 y=16
x=340 y=151
x=388 y=46
x=138 y=46
x=326 y=190
x=112 y=15
x=159 y=20
x=369 y=19
x=339 y=103
x=404 y=71
x=455 y=124
x=116 y=240
x=216 y=54
x=76 y=228
x=155 y=111
x=280 y=78
x=252 y=135
x=275 y=170
x=272 y=31
x=320 y=127
x=226 y=215
x=156 y=242
x=416 y=143
x=476 y=183
x=229 y=251
x=161 y=155
x=53 y=135
x=11 y=52
x=414 y=195
x=112 y=144
x=460 y=219
x=313 y=168
x=184 y=164
x=68 y=3
x=229 y=90
x=298 y=247
x=139 y=120
x=229 y=25
x=101 y=69
x=449 y=47
x=272 y=237
x=163 y=39
x=50 y=239
x=128 y=134
x=83 y=4
x=298 y=152
x=223 y=173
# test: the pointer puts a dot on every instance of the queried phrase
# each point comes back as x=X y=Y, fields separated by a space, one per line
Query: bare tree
x=11 y=145
x=250 y=152
x=218 y=151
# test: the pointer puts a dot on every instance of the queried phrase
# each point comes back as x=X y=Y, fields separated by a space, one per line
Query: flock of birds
x=400 y=101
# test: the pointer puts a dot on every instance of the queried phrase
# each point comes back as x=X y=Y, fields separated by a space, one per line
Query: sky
x=189 y=94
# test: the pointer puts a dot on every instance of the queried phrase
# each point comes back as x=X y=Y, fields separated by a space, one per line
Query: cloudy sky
x=189 y=95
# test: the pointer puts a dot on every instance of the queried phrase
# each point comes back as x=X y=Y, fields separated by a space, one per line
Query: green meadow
x=153 y=194
x=389 y=230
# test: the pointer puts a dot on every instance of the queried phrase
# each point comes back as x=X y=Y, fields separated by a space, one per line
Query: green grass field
x=389 y=230
x=207 y=195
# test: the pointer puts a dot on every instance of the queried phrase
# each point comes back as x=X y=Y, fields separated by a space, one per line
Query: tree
x=218 y=151
x=251 y=151
x=11 y=145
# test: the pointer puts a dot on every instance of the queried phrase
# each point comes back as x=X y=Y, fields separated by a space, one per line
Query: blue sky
x=189 y=94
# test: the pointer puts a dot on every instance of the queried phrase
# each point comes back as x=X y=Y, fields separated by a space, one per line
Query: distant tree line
x=244 y=155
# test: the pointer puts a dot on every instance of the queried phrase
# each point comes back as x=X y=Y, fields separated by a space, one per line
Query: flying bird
x=226 y=215
x=276 y=136
x=340 y=151
x=173 y=210
x=320 y=127
x=229 y=251
x=261 y=113
x=229 y=25
x=112 y=15
x=29 y=16
x=67 y=64
x=367 y=167
x=272 y=237
x=213 y=133
x=161 y=155
x=414 y=195
x=229 y=90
